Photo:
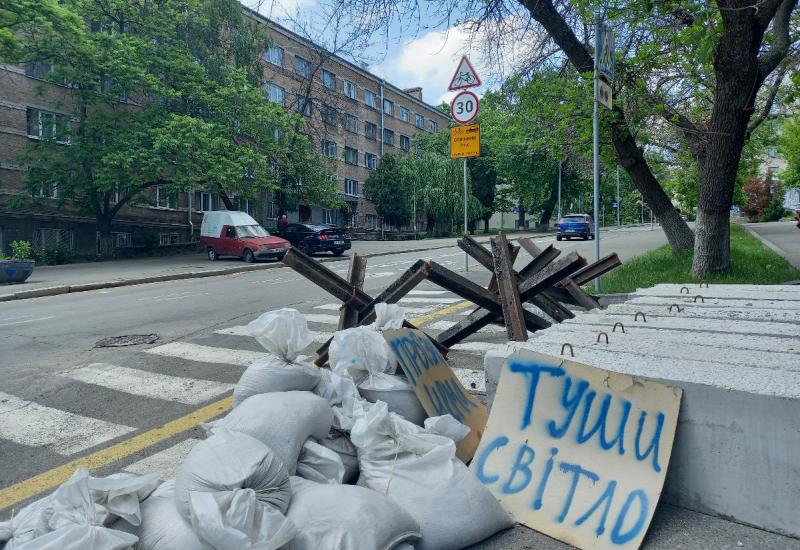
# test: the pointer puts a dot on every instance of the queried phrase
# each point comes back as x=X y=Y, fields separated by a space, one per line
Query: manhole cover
x=127 y=340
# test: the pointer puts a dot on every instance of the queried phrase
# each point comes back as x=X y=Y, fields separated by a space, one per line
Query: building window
x=328 y=79
x=303 y=105
x=388 y=107
x=332 y=178
x=350 y=155
x=350 y=90
x=772 y=175
x=274 y=55
x=203 y=202
x=405 y=143
x=772 y=152
x=351 y=187
x=168 y=238
x=419 y=121
x=327 y=113
x=403 y=114
x=417 y=149
x=39 y=69
x=165 y=199
x=432 y=125
x=370 y=161
x=48 y=238
x=370 y=130
x=302 y=67
x=370 y=100
x=351 y=124
x=372 y=221
x=122 y=239
x=47 y=125
x=329 y=148
x=275 y=93
x=327 y=216
x=388 y=136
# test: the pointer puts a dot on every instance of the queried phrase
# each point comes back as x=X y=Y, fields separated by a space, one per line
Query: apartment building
x=353 y=117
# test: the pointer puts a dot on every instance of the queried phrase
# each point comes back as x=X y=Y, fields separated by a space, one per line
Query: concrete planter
x=15 y=271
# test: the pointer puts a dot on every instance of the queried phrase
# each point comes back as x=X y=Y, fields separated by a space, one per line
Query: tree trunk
x=105 y=246
x=549 y=204
x=486 y=223
x=521 y=220
x=226 y=201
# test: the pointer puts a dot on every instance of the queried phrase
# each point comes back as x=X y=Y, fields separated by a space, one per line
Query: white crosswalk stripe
x=208 y=354
x=28 y=423
x=323 y=318
x=189 y=391
x=242 y=330
x=444 y=325
x=428 y=300
x=426 y=292
x=166 y=462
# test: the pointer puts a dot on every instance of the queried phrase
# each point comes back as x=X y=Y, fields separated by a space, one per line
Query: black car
x=310 y=238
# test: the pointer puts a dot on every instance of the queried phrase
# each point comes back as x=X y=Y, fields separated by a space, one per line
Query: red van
x=226 y=233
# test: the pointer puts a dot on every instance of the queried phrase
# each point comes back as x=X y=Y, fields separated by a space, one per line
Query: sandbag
x=120 y=494
x=282 y=421
x=347 y=517
x=162 y=527
x=284 y=333
x=398 y=393
x=340 y=443
x=243 y=476
x=388 y=316
x=418 y=470
x=342 y=395
x=319 y=464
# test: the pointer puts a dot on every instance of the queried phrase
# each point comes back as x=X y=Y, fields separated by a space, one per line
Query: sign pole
x=596 y=154
x=559 y=191
x=466 y=256
x=618 y=203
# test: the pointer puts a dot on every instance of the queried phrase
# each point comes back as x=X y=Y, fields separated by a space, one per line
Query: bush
x=55 y=255
x=21 y=250
x=764 y=200
x=774 y=209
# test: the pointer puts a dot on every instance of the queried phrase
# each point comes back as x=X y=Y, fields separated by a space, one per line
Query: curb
x=84 y=287
x=768 y=244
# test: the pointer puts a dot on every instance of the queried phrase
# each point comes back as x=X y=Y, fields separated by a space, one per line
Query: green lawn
x=752 y=263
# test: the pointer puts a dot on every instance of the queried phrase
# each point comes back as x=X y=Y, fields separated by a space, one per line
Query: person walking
x=283 y=222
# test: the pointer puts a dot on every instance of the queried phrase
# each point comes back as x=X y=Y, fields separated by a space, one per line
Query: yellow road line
x=53 y=478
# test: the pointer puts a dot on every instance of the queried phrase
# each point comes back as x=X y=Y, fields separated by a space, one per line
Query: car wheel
x=558 y=237
x=591 y=237
x=586 y=238
x=338 y=251
x=248 y=256
x=305 y=249
x=280 y=257
x=212 y=254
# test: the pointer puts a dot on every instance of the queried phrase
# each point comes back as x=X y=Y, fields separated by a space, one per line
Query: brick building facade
x=354 y=117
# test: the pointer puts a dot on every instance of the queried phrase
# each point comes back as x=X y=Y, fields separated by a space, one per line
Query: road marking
x=26 y=321
x=475 y=347
x=426 y=292
x=242 y=330
x=328 y=307
x=165 y=463
x=98 y=459
x=444 y=325
x=208 y=354
x=28 y=423
x=380 y=274
x=52 y=478
x=323 y=318
x=424 y=300
x=190 y=391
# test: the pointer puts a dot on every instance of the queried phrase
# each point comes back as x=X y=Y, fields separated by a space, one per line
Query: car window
x=251 y=231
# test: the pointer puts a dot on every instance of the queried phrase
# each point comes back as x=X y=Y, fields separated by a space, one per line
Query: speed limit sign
x=464 y=107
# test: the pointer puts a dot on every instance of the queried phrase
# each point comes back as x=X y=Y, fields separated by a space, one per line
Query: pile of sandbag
x=308 y=459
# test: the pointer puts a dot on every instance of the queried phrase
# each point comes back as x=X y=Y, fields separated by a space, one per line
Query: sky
x=427 y=57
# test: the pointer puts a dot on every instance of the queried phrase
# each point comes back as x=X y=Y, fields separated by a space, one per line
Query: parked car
x=226 y=233
x=310 y=238
x=575 y=225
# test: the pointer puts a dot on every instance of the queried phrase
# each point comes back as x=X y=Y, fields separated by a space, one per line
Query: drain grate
x=127 y=340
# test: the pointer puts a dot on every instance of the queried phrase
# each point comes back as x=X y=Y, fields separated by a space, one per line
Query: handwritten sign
x=437 y=387
x=576 y=452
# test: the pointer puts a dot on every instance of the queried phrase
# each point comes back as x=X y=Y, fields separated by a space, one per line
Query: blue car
x=575 y=225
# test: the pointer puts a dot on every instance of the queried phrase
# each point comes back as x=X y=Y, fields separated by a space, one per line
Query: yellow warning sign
x=465 y=141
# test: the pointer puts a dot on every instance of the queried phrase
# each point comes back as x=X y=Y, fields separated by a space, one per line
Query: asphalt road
x=54 y=409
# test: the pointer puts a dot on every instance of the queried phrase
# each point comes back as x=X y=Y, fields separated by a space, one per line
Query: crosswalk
x=185 y=374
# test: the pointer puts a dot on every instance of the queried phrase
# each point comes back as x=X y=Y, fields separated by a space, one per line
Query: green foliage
x=751 y=263
x=789 y=142
x=390 y=188
x=764 y=200
x=55 y=255
x=21 y=250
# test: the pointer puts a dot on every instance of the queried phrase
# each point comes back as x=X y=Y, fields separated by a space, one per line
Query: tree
x=165 y=95
x=790 y=149
x=389 y=189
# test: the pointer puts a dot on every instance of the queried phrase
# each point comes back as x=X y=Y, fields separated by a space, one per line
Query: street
x=63 y=398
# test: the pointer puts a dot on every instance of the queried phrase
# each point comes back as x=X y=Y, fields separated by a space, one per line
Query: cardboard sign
x=576 y=452
x=465 y=141
x=437 y=386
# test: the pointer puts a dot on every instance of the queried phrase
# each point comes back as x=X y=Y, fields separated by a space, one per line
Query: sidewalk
x=782 y=237
x=79 y=277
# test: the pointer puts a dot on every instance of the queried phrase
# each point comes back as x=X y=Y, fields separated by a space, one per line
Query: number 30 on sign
x=464 y=107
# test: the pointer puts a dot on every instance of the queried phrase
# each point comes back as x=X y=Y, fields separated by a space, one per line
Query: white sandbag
x=340 y=443
x=69 y=519
x=347 y=517
x=231 y=460
x=420 y=472
x=319 y=464
x=282 y=421
x=447 y=426
x=283 y=332
x=162 y=527
x=398 y=393
x=26 y=524
x=388 y=316
x=121 y=493
x=342 y=395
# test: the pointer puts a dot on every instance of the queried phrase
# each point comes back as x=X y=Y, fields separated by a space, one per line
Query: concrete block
x=38 y=292
x=7 y=297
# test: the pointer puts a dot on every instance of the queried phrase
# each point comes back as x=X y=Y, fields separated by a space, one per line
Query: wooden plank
x=513 y=314
x=348 y=316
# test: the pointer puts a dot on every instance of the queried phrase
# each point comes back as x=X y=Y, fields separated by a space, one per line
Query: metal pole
x=559 y=190
x=415 y=208
x=466 y=256
x=618 y=203
x=651 y=219
x=596 y=163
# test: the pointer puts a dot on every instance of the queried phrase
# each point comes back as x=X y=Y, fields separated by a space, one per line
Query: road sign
x=464 y=107
x=465 y=76
x=465 y=141
x=604 y=93
x=605 y=51
x=614 y=205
